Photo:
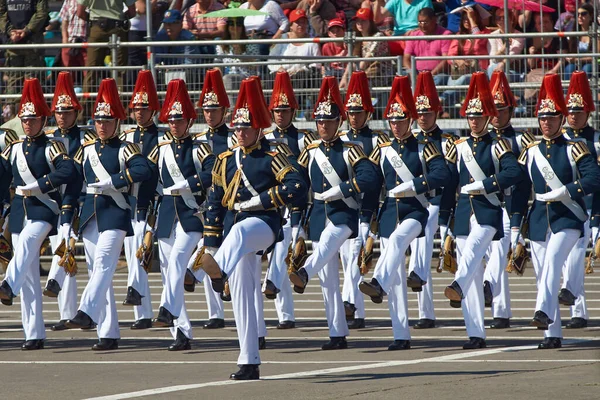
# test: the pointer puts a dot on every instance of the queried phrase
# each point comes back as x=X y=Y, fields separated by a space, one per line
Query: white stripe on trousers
x=67 y=297
x=349 y=253
x=470 y=251
x=391 y=272
x=421 y=250
x=102 y=251
x=237 y=258
x=23 y=275
x=574 y=272
x=548 y=259
x=277 y=273
x=137 y=277
x=177 y=250
x=495 y=271
x=325 y=262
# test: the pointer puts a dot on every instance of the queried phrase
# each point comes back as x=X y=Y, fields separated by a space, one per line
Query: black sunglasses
x=582 y=13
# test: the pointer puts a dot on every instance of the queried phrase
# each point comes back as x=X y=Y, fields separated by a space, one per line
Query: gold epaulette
x=131 y=149
x=89 y=142
x=6 y=151
x=78 y=158
x=153 y=156
x=375 y=156
x=343 y=133
x=381 y=137
x=197 y=135
x=450 y=136
x=282 y=148
x=225 y=154
x=165 y=143
x=314 y=145
x=89 y=136
x=303 y=158
x=502 y=147
x=10 y=136
x=523 y=156
x=265 y=133
x=280 y=165
x=527 y=138
x=272 y=153
x=204 y=151
x=355 y=154
x=579 y=150
x=451 y=152
x=457 y=141
x=430 y=151
x=57 y=148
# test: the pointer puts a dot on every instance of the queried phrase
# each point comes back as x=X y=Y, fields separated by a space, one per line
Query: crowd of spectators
x=28 y=21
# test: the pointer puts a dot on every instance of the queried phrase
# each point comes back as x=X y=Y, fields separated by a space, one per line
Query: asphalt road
x=294 y=367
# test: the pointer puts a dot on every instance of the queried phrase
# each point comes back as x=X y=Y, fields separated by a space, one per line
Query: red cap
x=336 y=22
x=108 y=103
x=329 y=104
x=65 y=98
x=579 y=95
x=426 y=95
x=479 y=101
x=283 y=97
x=366 y=14
x=251 y=108
x=551 y=101
x=144 y=93
x=178 y=104
x=503 y=96
x=358 y=96
x=401 y=104
x=213 y=91
x=296 y=15
x=33 y=104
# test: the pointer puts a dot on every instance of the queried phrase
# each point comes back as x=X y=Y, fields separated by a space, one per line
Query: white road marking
x=314 y=373
x=316 y=338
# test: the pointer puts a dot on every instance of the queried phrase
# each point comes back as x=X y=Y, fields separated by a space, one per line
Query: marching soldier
x=419 y=280
x=66 y=110
x=283 y=105
x=107 y=168
x=495 y=280
x=37 y=166
x=144 y=104
x=184 y=167
x=250 y=183
x=410 y=168
x=579 y=106
x=487 y=166
x=339 y=172
x=562 y=172
x=359 y=110
x=214 y=103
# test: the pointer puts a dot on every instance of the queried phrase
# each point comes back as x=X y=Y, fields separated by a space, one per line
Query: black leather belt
x=108 y=24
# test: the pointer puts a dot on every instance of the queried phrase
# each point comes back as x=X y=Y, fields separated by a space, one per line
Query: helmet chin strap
x=117 y=125
x=483 y=130
x=558 y=131
x=407 y=133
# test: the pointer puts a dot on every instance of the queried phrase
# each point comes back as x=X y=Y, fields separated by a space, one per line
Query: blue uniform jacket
x=360 y=176
x=269 y=173
x=590 y=136
x=444 y=197
x=436 y=174
x=173 y=208
x=219 y=139
x=555 y=215
x=101 y=206
x=509 y=173
x=39 y=152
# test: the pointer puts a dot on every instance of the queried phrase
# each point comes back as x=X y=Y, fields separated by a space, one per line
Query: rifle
x=365 y=257
x=595 y=253
x=519 y=255
x=447 y=258
x=297 y=253
x=67 y=260
x=6 y=250
x=145 y=253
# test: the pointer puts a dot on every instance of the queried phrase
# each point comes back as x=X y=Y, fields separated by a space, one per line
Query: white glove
x=298 y=232
x=476 y=186
x=364 y=230
x=66 y=232
x=555 y=195
x=335 y=193
x=210 y=250
x=408 y=188
x=184 y=184
x=103 y=185
x=32 y=188
x=253 y=204
x=514 y=233
x=138 y=228
x=444 y=230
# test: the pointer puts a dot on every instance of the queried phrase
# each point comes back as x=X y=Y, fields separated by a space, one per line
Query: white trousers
x=390 y=272
x=277 y=273
x=177 y=249
x=23 y=275
x=102 y=250
x=324 y=261
x=349 y=253
x=137 y=277
x=470 y=252
x=67 y=297
x=237 y=258
x=213 y=300
x=548 y=258
x=574 y=272
x=421 y=250
x=495 y=271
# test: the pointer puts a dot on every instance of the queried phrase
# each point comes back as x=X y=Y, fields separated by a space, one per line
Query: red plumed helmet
x=329 y=104
x=358 y=96
x=503 y=96
x=283 y=97
x=108 y=103
x=33 y=104
x=479 y=101
x=426 y=95
x=178 y=104
x=551 y=101
x=144 y=93
x=579 y=95
x=401 y=104
x=65 y=98
x=213 y=91
x=251 y=107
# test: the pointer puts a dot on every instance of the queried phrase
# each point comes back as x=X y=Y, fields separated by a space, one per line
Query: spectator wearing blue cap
x=173 y=31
